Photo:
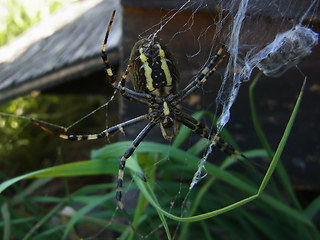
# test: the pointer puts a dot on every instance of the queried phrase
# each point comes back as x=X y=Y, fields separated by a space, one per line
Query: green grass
x=228 y=203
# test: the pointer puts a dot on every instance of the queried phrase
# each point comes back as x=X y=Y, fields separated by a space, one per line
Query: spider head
x=167 y=122
x=169 y=127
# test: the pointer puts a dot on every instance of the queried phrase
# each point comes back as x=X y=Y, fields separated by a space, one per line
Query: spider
x=155 y=79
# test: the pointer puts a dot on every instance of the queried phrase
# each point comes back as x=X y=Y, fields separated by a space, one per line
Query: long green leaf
x=313 y=208
x=283 y=141
x=283 y=176
x=6 y=219
x=83 y=168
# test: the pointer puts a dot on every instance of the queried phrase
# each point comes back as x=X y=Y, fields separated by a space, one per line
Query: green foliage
x=18 y=15
x=166 y=209
x=20 y=140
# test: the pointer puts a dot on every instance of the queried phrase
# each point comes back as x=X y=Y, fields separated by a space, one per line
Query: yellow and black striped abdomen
x=154 y=70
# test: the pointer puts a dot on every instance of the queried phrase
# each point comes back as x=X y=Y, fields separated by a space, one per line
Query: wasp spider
x=155 y=79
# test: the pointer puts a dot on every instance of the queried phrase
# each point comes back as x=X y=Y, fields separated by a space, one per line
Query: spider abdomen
x=154 y=70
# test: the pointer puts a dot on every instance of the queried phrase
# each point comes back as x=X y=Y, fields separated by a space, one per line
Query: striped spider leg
x=205 y=132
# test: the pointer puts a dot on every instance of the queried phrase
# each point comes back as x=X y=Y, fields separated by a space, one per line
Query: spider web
x=274 y=51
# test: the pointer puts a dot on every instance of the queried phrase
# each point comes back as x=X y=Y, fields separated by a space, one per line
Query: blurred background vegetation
x=20 y=140
x=17 y=15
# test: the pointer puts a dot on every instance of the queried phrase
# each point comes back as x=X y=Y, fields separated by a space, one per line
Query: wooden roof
x=71 y=51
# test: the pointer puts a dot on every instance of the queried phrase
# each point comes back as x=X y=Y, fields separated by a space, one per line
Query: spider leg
x=104 y=52
x=131 y=95
x=139 y=97
x=105 y=133
x=201 y=129
x=202 y=76
x=127 y=154
x=107 y=66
